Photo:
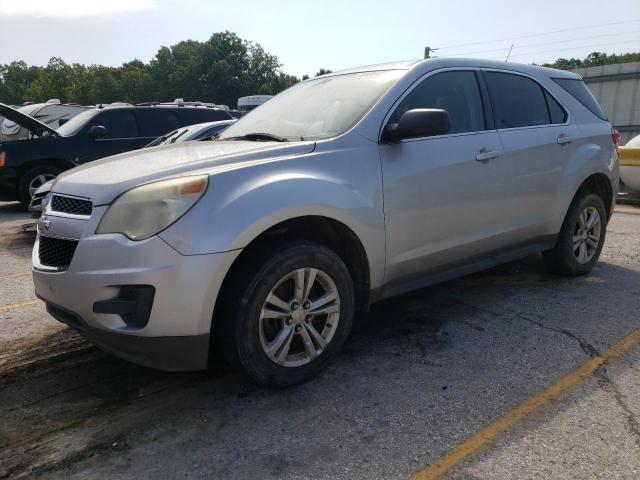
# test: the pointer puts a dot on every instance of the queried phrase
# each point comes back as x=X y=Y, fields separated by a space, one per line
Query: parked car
x=52 y=113
x=93 y=134
x=199 y=131
x=339 y=192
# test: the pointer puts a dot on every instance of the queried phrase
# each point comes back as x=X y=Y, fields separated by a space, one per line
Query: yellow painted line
x=15 y=275
x=495 y=428
x=19 y=305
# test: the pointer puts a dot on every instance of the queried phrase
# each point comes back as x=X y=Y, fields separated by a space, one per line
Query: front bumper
x=176 y=336
x=175 y=354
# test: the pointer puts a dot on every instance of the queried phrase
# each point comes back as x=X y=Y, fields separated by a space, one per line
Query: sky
x=309 y=35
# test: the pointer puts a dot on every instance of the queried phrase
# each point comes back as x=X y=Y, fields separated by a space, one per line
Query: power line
x=541 y=44
x=595 y=45
x=539 y=34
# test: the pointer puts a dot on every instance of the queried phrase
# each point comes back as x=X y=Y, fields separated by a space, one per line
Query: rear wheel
x=290 y=316
x=581 y=238
x=34 y=179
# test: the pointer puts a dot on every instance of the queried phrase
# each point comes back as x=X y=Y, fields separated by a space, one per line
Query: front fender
x=241 y=204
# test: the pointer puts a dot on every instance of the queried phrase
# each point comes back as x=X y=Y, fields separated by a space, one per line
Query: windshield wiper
x=258 y=136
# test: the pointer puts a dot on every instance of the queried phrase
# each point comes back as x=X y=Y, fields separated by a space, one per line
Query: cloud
x=73 y=8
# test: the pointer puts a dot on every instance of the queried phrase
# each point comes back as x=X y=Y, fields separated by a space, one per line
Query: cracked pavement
x=421 y=373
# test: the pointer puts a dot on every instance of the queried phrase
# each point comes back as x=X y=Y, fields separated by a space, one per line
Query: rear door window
x=517 y=101
x=556 y=112
x=578 y=90
x=119 y=124
x=456 y=92
x=156 y=122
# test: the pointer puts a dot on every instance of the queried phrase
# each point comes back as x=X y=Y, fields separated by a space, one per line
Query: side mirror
x=97 y=131
x=419 y=122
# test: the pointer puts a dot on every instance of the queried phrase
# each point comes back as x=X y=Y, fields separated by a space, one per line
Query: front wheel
x=581 y=238
x=34 y=179
x=291 y=316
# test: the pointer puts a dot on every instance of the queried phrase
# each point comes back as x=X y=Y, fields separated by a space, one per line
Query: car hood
x=105 y=179
x=34 y=126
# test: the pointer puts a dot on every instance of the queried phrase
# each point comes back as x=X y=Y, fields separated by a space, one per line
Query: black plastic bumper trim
x=169 y=353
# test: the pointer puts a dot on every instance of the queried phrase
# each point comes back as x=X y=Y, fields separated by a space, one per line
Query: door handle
x=562 y=139
x=485 y=155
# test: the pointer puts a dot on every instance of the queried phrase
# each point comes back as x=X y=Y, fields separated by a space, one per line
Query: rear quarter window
x=578 y=90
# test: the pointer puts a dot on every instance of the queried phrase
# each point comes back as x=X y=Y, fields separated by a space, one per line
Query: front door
x=121 y=135
x=443 y=197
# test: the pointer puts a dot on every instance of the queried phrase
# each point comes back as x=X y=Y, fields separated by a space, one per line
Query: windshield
x=316 y=109
x=74 y=125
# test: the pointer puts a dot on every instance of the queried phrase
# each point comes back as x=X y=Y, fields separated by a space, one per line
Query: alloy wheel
x=38 y=181
x=586 y=235
x=299 y=317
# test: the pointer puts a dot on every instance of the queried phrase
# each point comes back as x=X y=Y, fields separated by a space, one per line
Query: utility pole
x=427 y=52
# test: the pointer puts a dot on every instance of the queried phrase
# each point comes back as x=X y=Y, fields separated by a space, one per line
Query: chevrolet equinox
x=339 y=192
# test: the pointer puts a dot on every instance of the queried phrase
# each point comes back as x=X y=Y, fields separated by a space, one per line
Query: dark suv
x=93 y=134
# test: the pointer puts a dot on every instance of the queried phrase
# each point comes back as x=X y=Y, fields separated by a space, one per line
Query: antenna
x=508 y=54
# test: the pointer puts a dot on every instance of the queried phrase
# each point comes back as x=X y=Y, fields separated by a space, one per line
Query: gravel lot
x=422 y=373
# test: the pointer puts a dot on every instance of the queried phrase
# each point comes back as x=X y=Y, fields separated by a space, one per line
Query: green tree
x=593 y=60
x=219 y=70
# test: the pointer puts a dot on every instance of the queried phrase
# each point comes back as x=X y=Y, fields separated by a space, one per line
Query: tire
x=244 y=332
x=35 y=177
x=564 y=258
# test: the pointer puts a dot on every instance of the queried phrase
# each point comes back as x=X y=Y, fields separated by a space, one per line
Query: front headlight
x=147 y=210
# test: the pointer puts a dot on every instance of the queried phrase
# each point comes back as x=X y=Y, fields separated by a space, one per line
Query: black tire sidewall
x=248 y=347
x=28 y=176
x=568 y=263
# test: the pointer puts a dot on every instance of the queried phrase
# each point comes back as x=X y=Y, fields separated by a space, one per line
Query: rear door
x=121 y=135
x=537 y=141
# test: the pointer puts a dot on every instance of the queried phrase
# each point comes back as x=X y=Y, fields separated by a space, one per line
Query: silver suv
x=341 y=191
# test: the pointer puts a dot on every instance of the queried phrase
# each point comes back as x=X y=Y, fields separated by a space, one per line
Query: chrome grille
x=56 y=252
x=74 y=206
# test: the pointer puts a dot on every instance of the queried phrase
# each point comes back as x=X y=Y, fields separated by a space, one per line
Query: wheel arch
x=56 y=162
x=599 y=184
x=326 y=231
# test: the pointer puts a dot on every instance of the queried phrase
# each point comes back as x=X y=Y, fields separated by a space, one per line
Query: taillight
x=615 y=136
x=2 y=158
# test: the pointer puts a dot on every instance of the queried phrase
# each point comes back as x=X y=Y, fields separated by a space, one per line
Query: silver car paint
x=414 y=210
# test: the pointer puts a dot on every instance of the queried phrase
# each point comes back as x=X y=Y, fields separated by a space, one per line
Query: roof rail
x=180 y=102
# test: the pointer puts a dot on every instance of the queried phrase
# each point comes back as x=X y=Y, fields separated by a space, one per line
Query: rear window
x=578 y=90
